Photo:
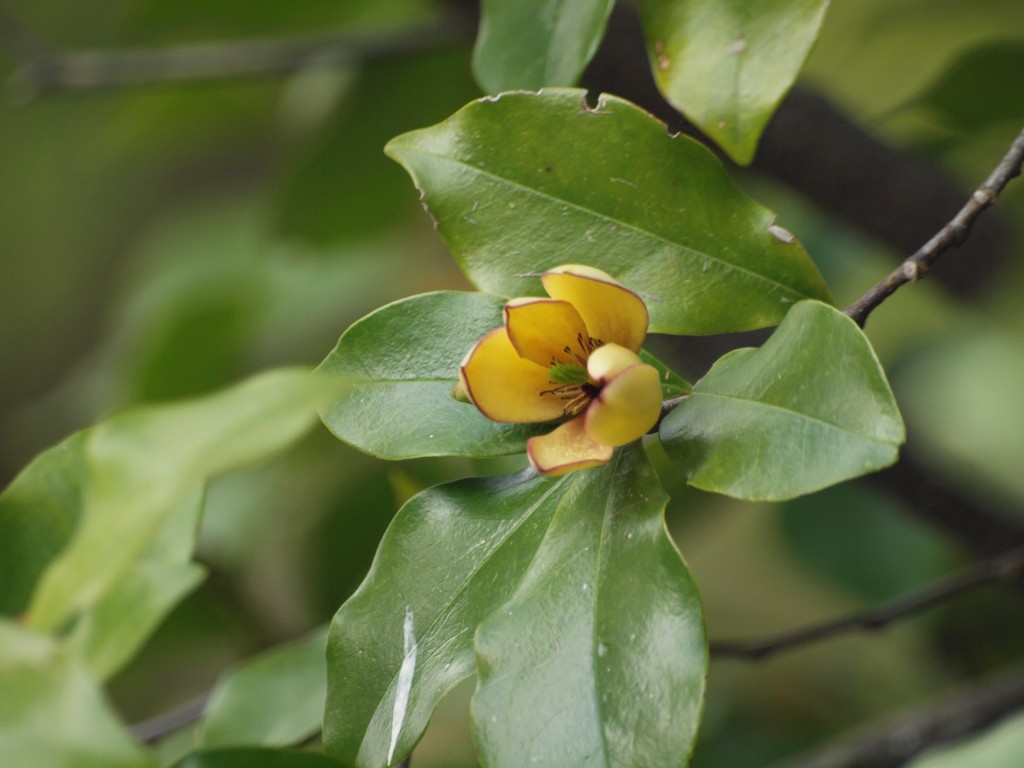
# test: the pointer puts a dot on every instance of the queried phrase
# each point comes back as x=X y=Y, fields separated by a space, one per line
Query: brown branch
x=896 y=740
x=92 y=70
x=955 y=232
x=1004 y=567
x=155 y=728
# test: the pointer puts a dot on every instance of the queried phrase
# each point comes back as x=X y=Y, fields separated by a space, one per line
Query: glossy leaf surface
x=276 y=699
x=451 y=556
x=527 y=182
x=143 y=464
x=402 y=362
x=600 y=657
x=810 y=408
x=458 y=552
x=52 y=713
x=726 y=64
x=530 y=45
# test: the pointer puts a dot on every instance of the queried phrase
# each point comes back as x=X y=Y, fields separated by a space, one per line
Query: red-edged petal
x=547 y=331
x=613 y=313
x=566 y=449
x=506 y=387
x=628 y=405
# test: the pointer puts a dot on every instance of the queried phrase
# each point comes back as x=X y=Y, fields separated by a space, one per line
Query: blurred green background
x=163 y=240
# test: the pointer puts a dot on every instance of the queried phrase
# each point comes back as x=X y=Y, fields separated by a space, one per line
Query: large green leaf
x=456 y=553
x=276 y=699
x=600 y=658
x=810 y=408
x=38 y=512
x=143 y=464
x=530 y=45
x=451 y=556
x=524 y=182
x=726 y=64
x=402 y=362
x=51 y=711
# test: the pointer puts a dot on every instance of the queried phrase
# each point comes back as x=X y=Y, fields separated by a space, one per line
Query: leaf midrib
x=805 y=416
x=618 y=222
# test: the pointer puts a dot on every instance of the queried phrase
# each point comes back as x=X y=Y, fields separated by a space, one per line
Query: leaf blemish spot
x=737 y=46
x=781 y=233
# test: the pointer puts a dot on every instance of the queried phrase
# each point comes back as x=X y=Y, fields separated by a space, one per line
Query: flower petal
x=547 y=331
x=612 y=312
x=504 y=386
x=566 y=449
x=610 y=360
x=626 y=408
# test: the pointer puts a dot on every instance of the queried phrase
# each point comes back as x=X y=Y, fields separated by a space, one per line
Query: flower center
x=575 y=388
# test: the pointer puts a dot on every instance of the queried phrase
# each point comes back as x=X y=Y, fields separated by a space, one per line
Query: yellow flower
x=574 y=355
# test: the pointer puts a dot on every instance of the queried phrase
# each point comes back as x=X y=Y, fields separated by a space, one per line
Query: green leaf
x=530 y=45
x=250 y=757
x=810 y=408
x=51 y=711
x=980 y=88
x=109 y=633
x=452 y=555
x=726 y=64
x=525 y=182
x=38 y=512
x=456 y=553
x=275 y=699
x=601 y=656
x=143 y=464
x=402 y=362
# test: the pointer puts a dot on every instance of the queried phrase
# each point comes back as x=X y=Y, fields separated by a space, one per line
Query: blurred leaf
x=726 y=64
x=980 y=88
x=864 y=542
x=525 y=182
x=251 y=757
x=110 y=632
x=999 y=747
x=809 y=409
x=143 y=463
x=52 y=713
x=344 y=186
x=530 y=45
x=38 y=513
x=235 y=18
x=276 y=699
x=962 y=396
x=451 y=556
x=600 y=657
x=456 y=553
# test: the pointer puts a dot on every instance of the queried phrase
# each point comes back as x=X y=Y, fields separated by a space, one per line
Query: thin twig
x=91 y=70
x=1004 y=567
x=896 y=740
x=155 y=728
x=955 y=232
